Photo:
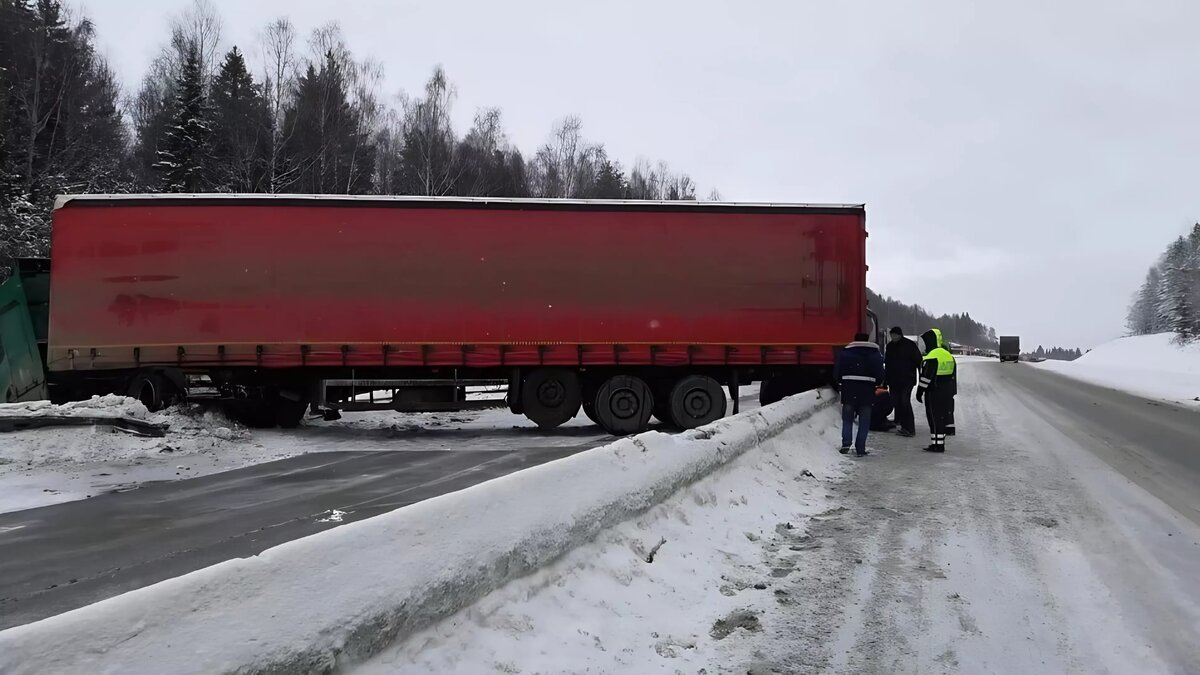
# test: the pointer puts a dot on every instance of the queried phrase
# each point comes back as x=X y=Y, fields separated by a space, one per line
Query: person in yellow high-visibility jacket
x=938 y=385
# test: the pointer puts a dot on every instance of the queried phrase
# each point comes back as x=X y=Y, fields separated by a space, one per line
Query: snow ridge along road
x=393 y=574
x=1154 y=366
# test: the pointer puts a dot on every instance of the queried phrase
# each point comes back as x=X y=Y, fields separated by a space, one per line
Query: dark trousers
x=950 y=415
x=937 y=413
x=863 y=413
x=902 y=399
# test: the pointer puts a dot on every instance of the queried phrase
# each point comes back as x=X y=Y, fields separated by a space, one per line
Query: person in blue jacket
x=858 y=371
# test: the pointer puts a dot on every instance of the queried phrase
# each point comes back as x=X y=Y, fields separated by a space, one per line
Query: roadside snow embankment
x=688 y=587
x=109 y=406
x=1153 y=366
x=192 y=430
x=334 y=598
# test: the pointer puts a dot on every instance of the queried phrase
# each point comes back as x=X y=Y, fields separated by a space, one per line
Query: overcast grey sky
x=1023 y=160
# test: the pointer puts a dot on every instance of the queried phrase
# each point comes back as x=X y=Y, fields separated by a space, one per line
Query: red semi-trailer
x=282 y=302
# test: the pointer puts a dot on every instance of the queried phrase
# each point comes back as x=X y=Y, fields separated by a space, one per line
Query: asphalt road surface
x=1153 y=444
x=1058 y=533
x=60 y=557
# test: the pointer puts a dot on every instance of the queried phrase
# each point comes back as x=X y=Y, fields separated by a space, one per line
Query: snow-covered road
x=1019 y=551
x=1024 y=549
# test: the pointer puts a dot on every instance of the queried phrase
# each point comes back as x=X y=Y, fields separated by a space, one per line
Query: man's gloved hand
x=920 y=393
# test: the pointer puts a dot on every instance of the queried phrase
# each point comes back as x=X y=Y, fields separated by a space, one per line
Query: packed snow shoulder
x=1152 y=366
x=319 y=603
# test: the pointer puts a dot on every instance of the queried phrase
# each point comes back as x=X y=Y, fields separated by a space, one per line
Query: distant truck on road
x=1010 y=348
x=275 y=303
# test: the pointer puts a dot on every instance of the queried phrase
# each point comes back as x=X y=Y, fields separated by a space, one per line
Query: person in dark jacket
x=938 y=385
x=903 y=363
x=858 y=371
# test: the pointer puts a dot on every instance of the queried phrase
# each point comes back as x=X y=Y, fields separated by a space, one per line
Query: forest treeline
x=305 y=114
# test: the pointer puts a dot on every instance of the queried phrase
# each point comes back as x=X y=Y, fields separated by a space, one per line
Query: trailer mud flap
x=128 y=425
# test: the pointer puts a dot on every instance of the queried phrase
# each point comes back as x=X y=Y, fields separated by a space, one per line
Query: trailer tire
x=513 y=396
x=147 y=387
x=697 y=400
x=288 y=412
x=252 y=413
x=770 y=391
x=624 y=404
x=551 y=396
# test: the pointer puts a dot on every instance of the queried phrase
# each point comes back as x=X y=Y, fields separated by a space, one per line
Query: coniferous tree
x=241 y=129
x=610 y=181
x=1175 y=296
x=183 y=154
x=328 y=152
x=514 y=178
x=1142 y=318
x=60 y=128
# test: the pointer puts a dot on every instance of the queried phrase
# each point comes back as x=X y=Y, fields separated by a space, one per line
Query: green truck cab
x=24 y=321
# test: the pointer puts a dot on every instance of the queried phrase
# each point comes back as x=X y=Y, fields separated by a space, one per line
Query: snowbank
x=339 y=596
x=727 y=545
x=1146 y=365
x=192 y=430
x=107 y=406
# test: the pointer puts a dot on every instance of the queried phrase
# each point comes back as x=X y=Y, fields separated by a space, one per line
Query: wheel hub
x=697 y=403
x=624 y=404
x=551 y=393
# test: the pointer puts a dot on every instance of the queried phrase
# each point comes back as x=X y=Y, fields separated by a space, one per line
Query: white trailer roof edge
x=63 y=200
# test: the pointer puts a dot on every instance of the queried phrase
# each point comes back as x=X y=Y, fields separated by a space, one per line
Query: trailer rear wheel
x=259 y=415
x=513 y=396
x=289 y=412
x=770 y=391
x=697 y=400
x=551 y=396
x=147 y=387
x=624 y=404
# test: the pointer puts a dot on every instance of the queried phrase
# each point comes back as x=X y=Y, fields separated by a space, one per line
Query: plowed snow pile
x=1154 y=366
x=192 y=431
x=109 y=406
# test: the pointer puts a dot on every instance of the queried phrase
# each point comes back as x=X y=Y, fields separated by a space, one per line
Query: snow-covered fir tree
x=183 y=154
x=241 y=129
x=1169 y=299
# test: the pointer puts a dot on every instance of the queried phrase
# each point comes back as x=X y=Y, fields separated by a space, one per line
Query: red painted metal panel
x=427 y=280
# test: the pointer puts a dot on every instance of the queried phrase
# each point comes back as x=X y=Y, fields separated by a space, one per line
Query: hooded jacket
x=939 y=370
x=858 y=371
